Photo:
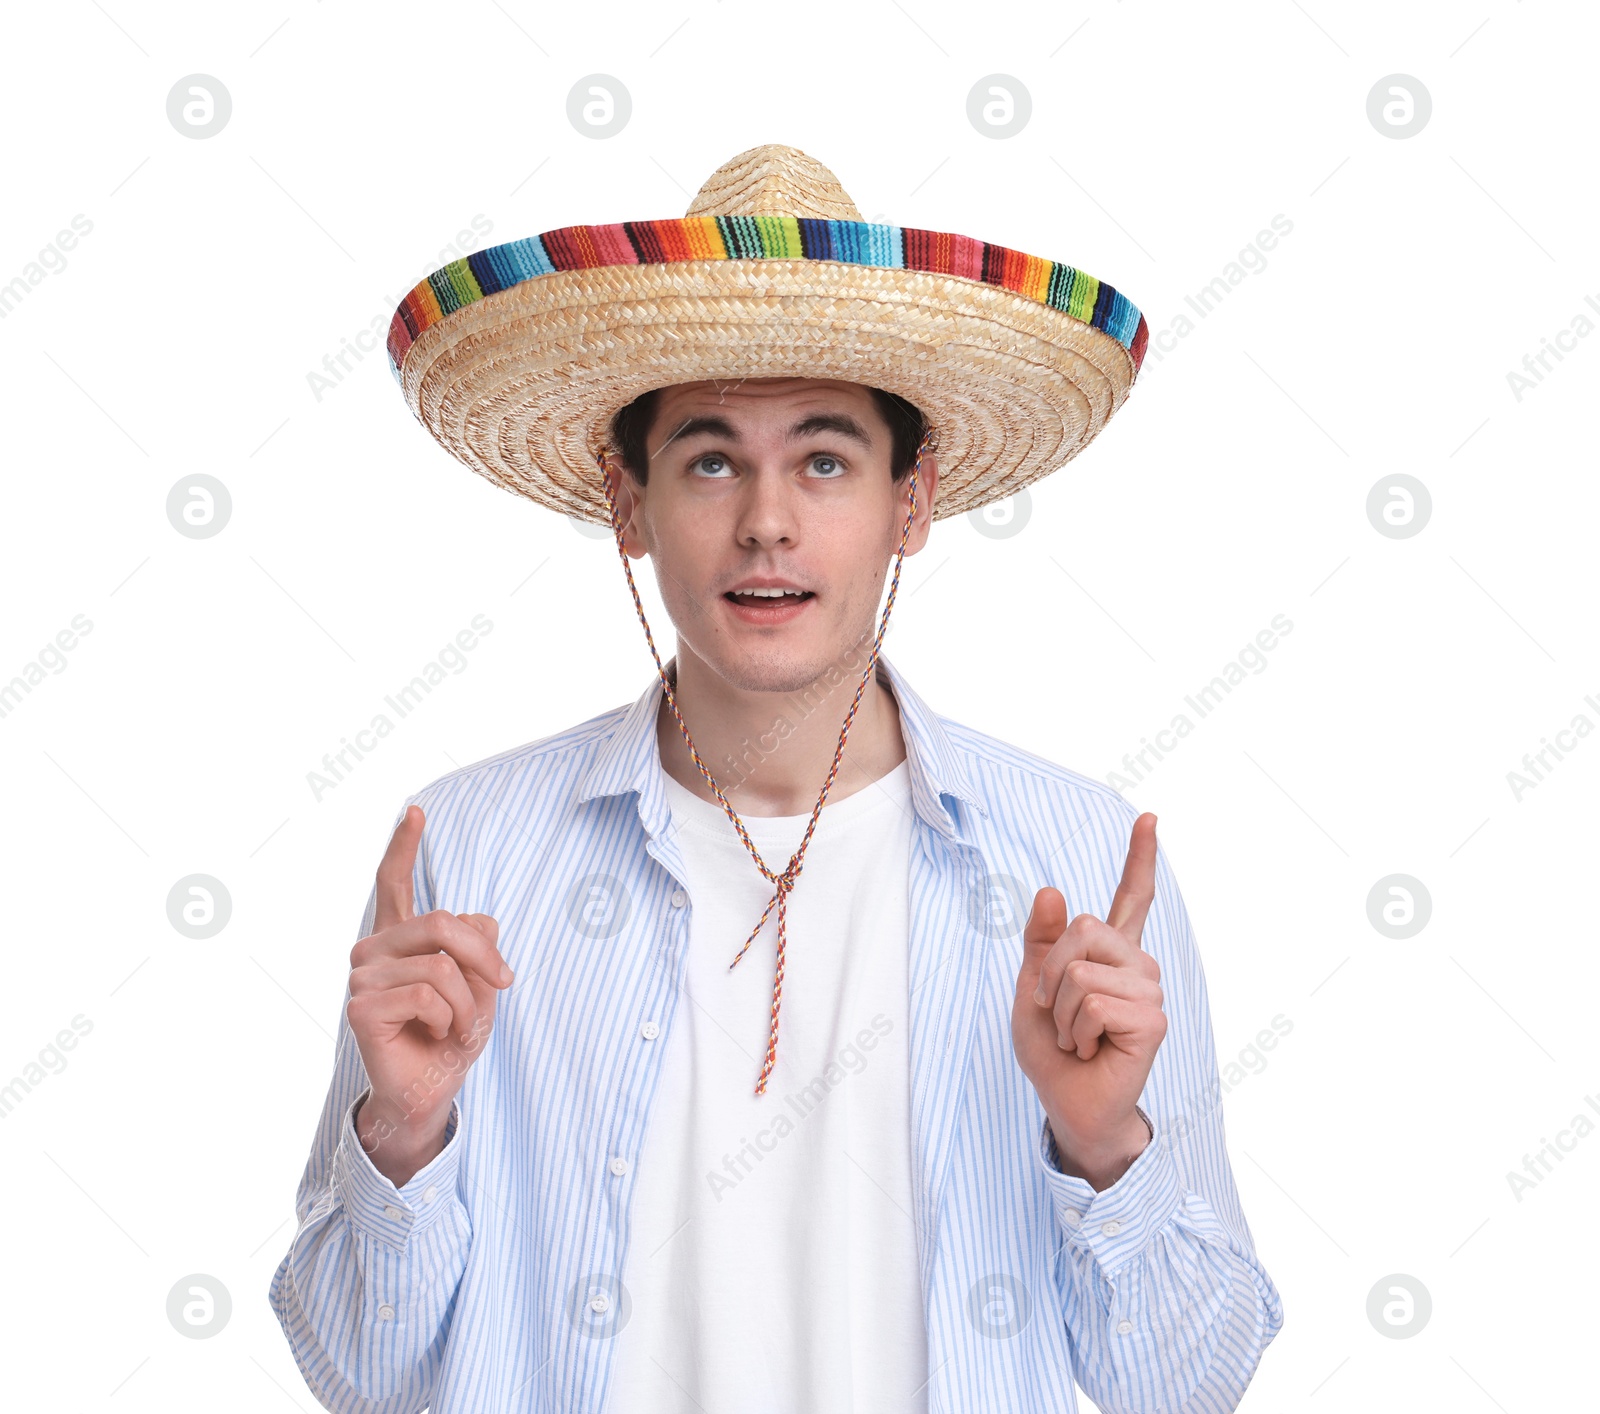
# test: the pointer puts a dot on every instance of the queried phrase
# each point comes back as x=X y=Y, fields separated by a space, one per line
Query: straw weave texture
x=520 y=385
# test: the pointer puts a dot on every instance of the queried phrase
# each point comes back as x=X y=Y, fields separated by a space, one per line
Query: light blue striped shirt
x=490 y=1280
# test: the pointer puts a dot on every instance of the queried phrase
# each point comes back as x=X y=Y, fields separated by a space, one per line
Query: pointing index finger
x=1137 y=889
x=395 y=897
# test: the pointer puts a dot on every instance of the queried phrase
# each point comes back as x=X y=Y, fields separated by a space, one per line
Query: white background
x=1232 y=487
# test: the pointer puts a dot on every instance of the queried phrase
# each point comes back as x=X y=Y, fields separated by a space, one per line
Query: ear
x=927 y=488
x=629 y=497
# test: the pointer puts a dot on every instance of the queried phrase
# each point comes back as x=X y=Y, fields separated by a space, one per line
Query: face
x=771 y=483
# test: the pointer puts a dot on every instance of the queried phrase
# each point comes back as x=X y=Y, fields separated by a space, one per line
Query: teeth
x=769 y=593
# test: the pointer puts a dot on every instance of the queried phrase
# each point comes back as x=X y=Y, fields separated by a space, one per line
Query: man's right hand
x=422 y=999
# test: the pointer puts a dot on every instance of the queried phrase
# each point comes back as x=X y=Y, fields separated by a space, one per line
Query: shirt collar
x=630 y=759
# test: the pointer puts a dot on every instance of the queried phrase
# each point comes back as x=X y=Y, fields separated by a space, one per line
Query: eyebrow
x=714 y=425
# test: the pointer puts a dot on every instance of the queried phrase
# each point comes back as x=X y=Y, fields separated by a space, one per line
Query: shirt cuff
x=374 y=1205
x=1115 y=1224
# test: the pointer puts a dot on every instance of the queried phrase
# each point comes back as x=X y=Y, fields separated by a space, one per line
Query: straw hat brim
x=516 y=365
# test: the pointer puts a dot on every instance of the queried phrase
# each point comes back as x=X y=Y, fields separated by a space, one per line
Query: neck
x=770 y=752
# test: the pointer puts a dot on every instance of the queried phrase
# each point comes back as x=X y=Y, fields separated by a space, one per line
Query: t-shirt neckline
x=891 y=788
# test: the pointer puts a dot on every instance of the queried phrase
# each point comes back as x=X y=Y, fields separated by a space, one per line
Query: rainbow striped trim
x=486 y=272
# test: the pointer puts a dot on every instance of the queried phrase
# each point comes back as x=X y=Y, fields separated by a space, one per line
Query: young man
x=564 y=1162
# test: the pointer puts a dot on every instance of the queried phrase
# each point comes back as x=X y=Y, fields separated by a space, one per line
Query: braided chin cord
x=785 y=881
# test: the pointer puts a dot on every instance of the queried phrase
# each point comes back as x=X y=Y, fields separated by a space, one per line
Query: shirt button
x=393 y=1213
x=600 y=1303
x=1073 y=1217
x=619 y=1165
x=386 y=1313
x=1111 y=1228
x=679 y=898
x=1123 y=1327
x=650 y=1031
x=429 y=1194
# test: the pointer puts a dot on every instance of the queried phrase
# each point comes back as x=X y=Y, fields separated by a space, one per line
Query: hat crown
x=773 y=180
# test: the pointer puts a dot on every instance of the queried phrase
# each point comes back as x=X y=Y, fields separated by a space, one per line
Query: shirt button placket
x=649 y=1030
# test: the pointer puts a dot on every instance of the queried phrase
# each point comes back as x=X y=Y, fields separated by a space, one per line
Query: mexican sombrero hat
x=516 y=357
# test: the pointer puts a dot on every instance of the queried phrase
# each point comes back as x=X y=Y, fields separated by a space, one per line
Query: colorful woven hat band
x=486 y=272
x=516 y=358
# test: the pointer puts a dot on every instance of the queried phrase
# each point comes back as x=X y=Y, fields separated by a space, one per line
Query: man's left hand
x=1087 y=1020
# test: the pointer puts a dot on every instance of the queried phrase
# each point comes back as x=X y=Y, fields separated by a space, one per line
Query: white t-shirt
x=772 y=1264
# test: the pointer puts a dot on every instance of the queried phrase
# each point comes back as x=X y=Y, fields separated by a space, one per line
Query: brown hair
x=631 y=425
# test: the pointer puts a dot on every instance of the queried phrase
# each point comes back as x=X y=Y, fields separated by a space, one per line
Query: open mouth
x=769 y=599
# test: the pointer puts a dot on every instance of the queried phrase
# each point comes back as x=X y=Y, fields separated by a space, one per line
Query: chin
x=771 y=668
x=793 y=668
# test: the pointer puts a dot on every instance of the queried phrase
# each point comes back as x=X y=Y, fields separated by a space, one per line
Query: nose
x=767 y=510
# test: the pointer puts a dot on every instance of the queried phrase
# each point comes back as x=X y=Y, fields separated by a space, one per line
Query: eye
x=830 y=467
x=715 y=460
